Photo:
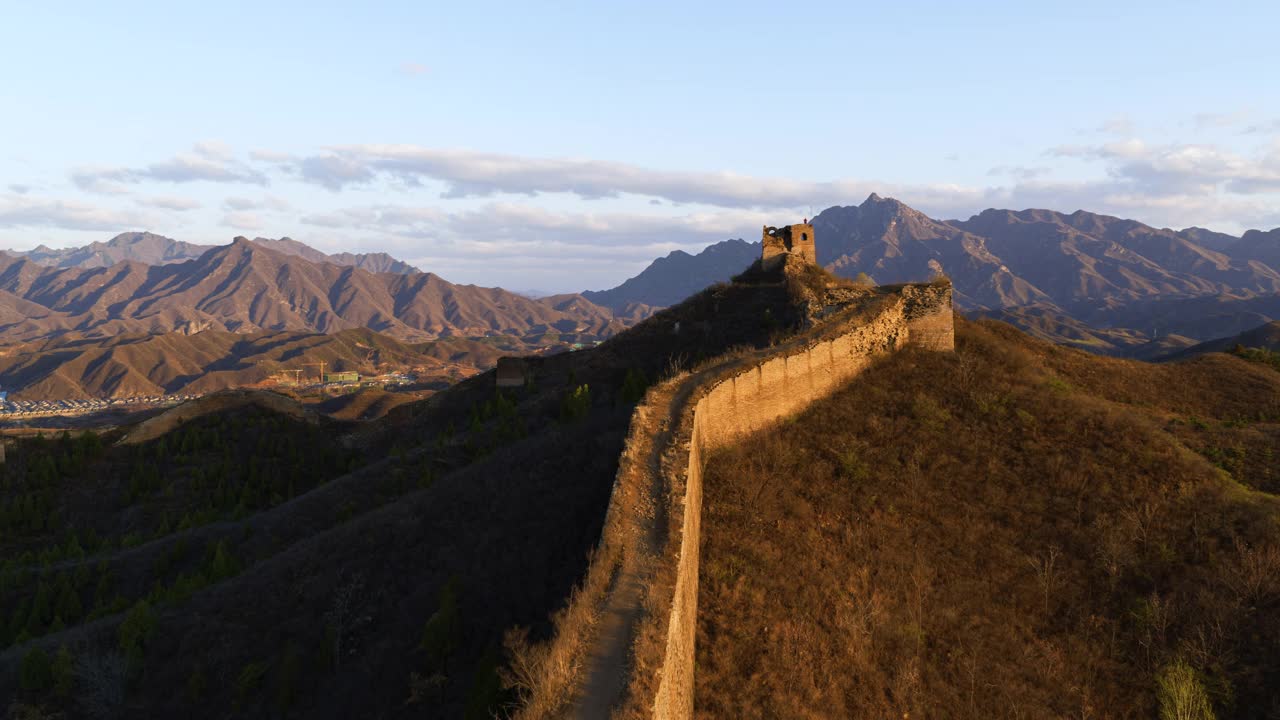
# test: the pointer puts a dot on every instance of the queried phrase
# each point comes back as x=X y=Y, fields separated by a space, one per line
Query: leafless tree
x=1046 y=570
x=342 y=613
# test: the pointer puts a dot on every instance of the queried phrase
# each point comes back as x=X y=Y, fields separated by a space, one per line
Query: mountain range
x=250 y=286
x=1102 y=283
x=1265 y=337
x=151 y=249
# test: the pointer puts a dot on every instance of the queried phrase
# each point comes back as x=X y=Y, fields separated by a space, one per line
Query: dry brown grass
x=542 y=675
x=1019 y=530
x=546 y=676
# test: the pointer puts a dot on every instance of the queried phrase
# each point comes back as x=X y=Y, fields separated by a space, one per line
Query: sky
x=562 y=146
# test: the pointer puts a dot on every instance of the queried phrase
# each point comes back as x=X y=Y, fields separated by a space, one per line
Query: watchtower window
x=804 y=237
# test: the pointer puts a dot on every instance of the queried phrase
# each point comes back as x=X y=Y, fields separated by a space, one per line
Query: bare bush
x=342 y=616
x=1045 y=567
x=1182 y=695
x=1254 y=573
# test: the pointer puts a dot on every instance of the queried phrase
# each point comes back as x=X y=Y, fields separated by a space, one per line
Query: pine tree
x=222 y=565
x=36 y=673
x=440 y=634
x=41 y=608
x=62 y=672
x=73 y=550
x=68 y=606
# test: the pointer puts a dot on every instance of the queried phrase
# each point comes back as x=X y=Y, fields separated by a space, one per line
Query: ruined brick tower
x=790 y=240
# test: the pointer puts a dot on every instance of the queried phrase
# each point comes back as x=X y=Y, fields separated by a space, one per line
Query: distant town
x=346 y=381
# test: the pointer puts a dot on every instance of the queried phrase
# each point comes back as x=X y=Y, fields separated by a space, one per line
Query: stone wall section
x=742 y=397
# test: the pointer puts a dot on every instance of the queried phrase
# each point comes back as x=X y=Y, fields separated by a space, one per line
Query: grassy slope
x=1019 y=530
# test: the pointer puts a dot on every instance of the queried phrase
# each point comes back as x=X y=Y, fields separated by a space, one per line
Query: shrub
x=440 y=634
x=1182 y=695
x=486 y=693
x=136 y=628
x=290 y=671
x=576 y=404
x=222 y=564
x=249 y=680
x=633 y=386
x=63 y=672
x=196 y=683
x=36 y=673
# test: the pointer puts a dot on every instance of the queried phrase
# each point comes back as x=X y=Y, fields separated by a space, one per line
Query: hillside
x=670 y=279
x=175 y=363
x=1264 y=337
x=1053 y=326
x=245 y=287
x=1017 y=529
x=373 y=262
x=1110 y=285
x=250 y=564
x=1261 y=246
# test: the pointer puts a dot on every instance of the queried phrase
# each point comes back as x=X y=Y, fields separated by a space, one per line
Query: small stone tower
x=790 y=240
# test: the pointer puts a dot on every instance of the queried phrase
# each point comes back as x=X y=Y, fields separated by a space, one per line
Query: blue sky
x=562 y=146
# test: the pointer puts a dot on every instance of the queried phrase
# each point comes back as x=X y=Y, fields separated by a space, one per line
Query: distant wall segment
x=735 y=399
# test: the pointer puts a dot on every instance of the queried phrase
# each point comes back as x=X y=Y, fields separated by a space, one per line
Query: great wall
x=640 y=653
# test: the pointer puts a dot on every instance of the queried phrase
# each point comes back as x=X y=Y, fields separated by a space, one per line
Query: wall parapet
x=708 y=410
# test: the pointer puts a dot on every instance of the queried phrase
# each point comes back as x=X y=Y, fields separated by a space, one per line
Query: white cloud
x=1117 y=125
x=266 y=202
x=208 y=162
x=475 y=174
x=521 y=224
x=161 y=202
x=18 y=211
x=1020 y=172
x=1271 y=127
x=1163 y=184
x=1183 y=169
x=1219 y=120
x=334 y=171
x=214 y=150
x=271 y=156
x=243 y=221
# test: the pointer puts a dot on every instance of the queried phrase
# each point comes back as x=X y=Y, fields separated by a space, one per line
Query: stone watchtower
x=789 y=240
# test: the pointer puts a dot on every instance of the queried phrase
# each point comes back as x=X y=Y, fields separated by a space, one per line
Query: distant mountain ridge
x=246 y=287
x=151 y=249
x=378 y=262
x=1264 y=336
x=1098 y=282
x=1102 y=283
x=670 y=279
x=144 y=247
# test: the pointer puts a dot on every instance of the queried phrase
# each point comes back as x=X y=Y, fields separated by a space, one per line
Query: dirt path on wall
x=606 y=672
x=605 y=669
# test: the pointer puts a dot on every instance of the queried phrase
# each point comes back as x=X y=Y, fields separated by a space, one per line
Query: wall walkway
x=698 y=414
